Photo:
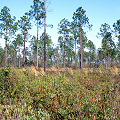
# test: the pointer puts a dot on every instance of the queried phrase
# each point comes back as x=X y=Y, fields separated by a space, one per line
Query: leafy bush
x=59 y=96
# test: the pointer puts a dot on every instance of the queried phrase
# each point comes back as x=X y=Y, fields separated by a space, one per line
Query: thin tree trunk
x=61 y=57
x=105 y=54
x=71 y=57
x=108 y=60
x=75 y=52
x=6 y=48
x=24 y=50
x=14 y=59
x=90 y=58
x=81 y=58
x=40 y=60
x=5 y=52
x=64 y=53
x=19 y=57
x=44 y=35
x=37 y=40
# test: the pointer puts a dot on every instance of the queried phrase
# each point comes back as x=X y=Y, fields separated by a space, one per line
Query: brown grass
x=32 y=69
x=41 y=71
x=70 y=70
x=23 y=69
x=53 y=68
x=113 y=70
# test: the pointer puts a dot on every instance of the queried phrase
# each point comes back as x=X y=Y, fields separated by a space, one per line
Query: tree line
x=73 y=42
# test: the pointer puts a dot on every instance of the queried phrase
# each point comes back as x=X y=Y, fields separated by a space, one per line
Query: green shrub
x=62 y=96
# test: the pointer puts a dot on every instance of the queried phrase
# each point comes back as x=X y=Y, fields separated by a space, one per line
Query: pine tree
x=82 y=20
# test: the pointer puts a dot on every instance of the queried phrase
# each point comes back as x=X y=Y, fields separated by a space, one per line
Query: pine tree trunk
x=44 y=35
x=14 y=59
x=90 y=58
x=5 y=52
x=64 y=53
x=37 y=40
x=81 y=58
x=6 y=48
x=40 y=60
x=19 y=57
x=75 y=52
x=105 y=56
x=24 y=50
x=71 y=56
x=108 y=60
x=61 y=53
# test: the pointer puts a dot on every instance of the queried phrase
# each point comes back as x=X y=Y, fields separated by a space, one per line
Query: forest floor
x=58 y=94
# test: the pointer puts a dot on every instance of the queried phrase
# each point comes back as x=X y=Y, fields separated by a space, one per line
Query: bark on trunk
x=44 y=36
x=90 y=58
x=71 y=57
x=37 y=40
x=5 y=52
x=105 y=55
x=61 y=58
x=75 y=52
x=24 y=50
x=19 y=57
x=64 y=52
x=81 y=61
x=14 y=59
x=108 y=60
x=6 y=48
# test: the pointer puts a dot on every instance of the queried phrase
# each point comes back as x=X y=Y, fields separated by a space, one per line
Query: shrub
x=59 y=96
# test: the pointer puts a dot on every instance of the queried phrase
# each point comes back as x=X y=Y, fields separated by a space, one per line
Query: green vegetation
x=80 y=94
x=58 y=92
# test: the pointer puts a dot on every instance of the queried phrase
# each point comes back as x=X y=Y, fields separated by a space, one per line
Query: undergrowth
x=63 y=96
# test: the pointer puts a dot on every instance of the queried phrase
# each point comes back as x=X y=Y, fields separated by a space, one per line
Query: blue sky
x=98 y=12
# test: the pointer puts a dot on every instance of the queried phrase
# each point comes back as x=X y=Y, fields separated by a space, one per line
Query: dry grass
x=33 y=70
x=114 y=70
x=86 y=72
x=70 y=70
x=23 y=69
x=53 y=68
x=41 y=71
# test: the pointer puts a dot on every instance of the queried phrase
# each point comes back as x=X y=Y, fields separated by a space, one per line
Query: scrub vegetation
x=70 y=81
x=59 y=94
